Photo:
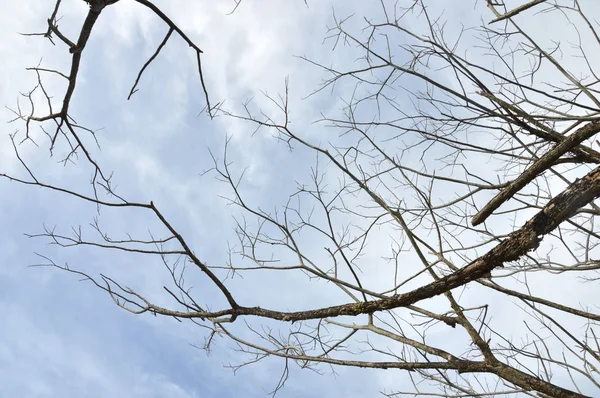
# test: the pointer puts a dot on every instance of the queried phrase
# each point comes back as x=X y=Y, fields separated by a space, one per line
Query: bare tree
x=465 y=158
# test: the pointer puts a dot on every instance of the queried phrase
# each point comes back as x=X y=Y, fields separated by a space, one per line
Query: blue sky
x=61 y=337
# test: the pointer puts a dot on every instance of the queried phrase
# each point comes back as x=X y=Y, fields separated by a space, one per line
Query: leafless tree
x=464 y=172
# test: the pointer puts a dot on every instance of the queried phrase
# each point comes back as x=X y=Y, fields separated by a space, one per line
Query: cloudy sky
x=62 y=337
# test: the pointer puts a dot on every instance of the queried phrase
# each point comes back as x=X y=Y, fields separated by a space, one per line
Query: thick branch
x=537 y=168
x=517 y=10
x=527 y=238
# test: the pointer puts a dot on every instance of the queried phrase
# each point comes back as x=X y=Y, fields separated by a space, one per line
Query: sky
x=62 y=337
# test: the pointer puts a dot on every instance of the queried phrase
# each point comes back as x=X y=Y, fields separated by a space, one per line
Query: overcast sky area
x=60 y=337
